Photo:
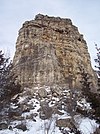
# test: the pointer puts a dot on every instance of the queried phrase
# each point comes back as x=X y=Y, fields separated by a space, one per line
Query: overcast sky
x=85 y=14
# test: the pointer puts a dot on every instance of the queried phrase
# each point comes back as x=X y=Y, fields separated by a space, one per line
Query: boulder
x=65 y=123
x=3 y=126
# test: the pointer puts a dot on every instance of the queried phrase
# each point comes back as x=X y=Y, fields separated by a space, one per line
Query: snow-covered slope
x=47 y=111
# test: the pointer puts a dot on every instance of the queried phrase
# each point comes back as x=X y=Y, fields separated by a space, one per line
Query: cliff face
x=51 y=51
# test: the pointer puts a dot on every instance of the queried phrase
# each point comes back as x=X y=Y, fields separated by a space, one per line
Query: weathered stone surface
x=21 y=126
x=65 y=123
x=45 y=111
x=3 y=126
x=42 y=92
x=97 y=131
x=49 y=51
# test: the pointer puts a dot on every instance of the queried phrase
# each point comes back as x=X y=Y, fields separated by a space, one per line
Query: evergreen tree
x=4 y=69
x=97 y=60
x=8 y=86
x=91 y=97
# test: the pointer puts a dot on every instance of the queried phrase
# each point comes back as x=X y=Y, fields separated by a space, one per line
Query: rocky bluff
x=50 y=51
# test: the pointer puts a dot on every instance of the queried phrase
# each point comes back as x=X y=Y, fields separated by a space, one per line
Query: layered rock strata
x=50 y=51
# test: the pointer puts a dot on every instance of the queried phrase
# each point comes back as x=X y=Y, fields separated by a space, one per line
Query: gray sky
x=83 y=13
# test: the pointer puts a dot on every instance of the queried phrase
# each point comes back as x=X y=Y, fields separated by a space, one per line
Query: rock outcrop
x=50 y=61
x=50 y=51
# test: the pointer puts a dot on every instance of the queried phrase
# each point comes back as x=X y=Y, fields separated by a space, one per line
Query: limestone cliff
x=51 y=51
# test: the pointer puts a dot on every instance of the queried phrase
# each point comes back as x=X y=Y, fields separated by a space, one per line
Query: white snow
x=82 y=103
x=21 y=99
x=87 y=126
x=39 y=127
x=13 y=106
